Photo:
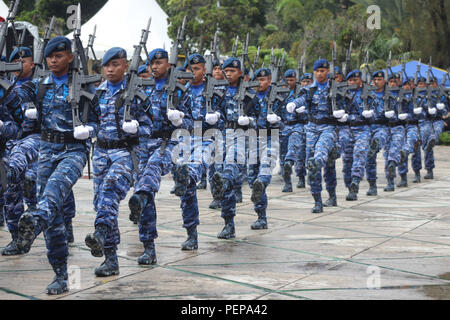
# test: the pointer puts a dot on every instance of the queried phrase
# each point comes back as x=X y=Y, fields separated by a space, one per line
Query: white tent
x=3 y=10
x=120 y=24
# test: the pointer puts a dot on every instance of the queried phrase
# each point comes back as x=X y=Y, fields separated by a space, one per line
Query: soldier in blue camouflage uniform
x=62 y=157
x=293 y=138
x=396 y=138
x=267 y=151
x=321 y=136
x=426 y=129
x=205 y=123
x=439 y=110
x=114 y=166
x=160 y=153
x=379 y=131
x=229 y=173
x=355 y=152
x=412 y=137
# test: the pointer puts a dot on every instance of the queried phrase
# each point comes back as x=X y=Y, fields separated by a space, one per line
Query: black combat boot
x=182 y=180
x=96 y=241
x=202 y=184
x=429 y=175
x=332 y=201
x=149 y=256
x=191 y=243
x=390 y=186
x=2 y=217
x=137 y=204
x=430 y=145
x=333 y=156
x=374 y=148
x=301 y=182
x=69 y=232
x=11 y=249
x=318 y=207
x=219 y=186
x=29 y=228
x=29 y=186
x=258 y=190
x=261 y=223
x=238 y=195
x=110 y=267
x=228 y=231
x=404 y=182
x=403 y=156
x=313 y=170
x=373 y=191
x=60 y=281
x=354 y=189
x=215 y=204
x=287 y=173
x=417 y=178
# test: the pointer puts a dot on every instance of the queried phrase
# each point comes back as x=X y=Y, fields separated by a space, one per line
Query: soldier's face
x=421 y=84
x=351 y=81
x=233 y=75
x=407 y=86
x=217 y=73
x=115 y=70
x=379 y=82
x=160 y=68
x=145 y=75
x=27 y=67
x=393 y=83
x=305 y=82
x=291 y=82
x=199 y=73
x=321 y=74
x=434 y=84
x=58 y=62
x=264 y=83
x=339 y=78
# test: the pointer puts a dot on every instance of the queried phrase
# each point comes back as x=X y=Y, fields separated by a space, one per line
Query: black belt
x=60 y=137
x=323 y=121
x=380 y=122
x=394 y=124
x=234 y=125
x=162 y=135
x=292 y=123
x=411 y=122
x=121 y=144
x=29 y=133
x=359 y=124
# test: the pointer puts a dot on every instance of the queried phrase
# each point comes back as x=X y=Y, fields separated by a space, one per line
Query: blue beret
x=246 y=71
x=158 y=54
x=113 y=53
x=321 y=63
x=196 y=59
x=392 y=76
x=354 y=74
x=232 y=63
x=337 y=70
x=216 y=63
x=57 y=44
x=307 y=76
x=422 y=79
x=406 y=80
x=378 y=74
x=26 y=53
x=290 y=74
x=142 y=69
x=262 y=72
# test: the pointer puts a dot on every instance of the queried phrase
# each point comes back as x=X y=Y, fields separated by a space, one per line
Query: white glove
x=212 y=118
x=418 y=110
x=367 y=114
x=291 y=107
x=177 y=123
x=344 y=118
x=440 y=106
x=339 y=114
x=1 y=124
x=130 y=127
x=31 y=114
x=81 y=133
x=403 y=116
x=273 y=118
x=244 y=121
x=175 y=115
x=432 y=111
x=301 y=110
x=389 y=114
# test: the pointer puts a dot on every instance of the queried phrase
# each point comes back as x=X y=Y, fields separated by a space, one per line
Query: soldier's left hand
x=440 y=106
x=389 y=114
x=344 y=119
x=130 y=127
x=338 y=114
x=273 y=118
x=432 y=111
x=403 y=116
x=81 y=133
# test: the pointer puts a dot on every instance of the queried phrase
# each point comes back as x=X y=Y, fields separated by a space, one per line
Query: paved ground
x=395 y=246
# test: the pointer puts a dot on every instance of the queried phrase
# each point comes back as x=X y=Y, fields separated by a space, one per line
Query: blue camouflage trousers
x=330 y=174
x=295 y=147
x=113 y=176
x=21 y=154
x=438 y=127
x=320 y=141
x=412 y=138
x=355 y=154
x=60 y=167
x=380 y=133
x=394 y=144
x=427 y=133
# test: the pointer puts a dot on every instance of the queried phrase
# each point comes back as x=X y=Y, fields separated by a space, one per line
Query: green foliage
x=444 y=139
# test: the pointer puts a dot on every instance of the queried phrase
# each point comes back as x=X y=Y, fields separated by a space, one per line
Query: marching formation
x=209 y=120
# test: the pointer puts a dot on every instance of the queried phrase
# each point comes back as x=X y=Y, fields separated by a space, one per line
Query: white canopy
x=3 y=10
x=120 y=24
